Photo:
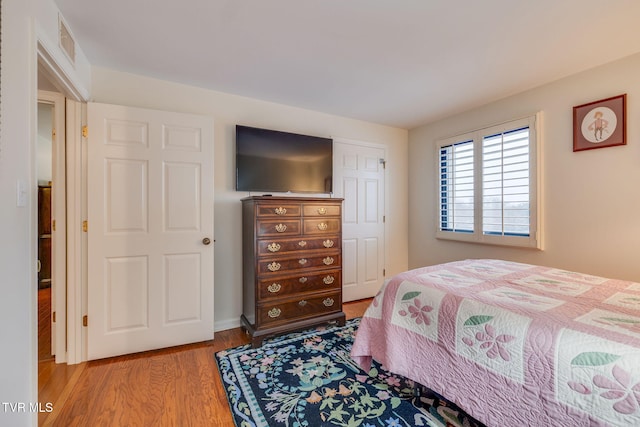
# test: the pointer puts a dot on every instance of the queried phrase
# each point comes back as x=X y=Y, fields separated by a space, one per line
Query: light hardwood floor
x=178 y=386
x=44 y=324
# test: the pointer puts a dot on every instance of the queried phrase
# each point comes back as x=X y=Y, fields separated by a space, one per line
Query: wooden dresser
x=292 y=264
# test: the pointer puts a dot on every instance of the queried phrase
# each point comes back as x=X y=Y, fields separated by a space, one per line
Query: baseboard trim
x=223 y=325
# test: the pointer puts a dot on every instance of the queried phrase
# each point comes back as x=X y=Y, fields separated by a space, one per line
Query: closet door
x=359 y=179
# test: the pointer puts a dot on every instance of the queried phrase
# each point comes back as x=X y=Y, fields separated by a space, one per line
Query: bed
x=510 y=343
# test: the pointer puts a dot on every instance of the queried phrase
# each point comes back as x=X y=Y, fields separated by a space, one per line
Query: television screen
x=274 y=161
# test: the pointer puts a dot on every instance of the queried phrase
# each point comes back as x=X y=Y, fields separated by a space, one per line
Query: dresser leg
x=256 y=342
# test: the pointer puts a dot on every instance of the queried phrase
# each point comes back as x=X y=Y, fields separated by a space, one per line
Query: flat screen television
x=274 y=161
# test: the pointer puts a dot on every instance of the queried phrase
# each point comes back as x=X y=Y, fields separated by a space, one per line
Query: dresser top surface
x=291 y=199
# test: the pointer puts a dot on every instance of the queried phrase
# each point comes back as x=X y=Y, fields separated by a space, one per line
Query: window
x=488 y=185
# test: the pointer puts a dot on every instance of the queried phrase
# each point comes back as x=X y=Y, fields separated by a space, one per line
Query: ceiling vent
x=66 y=41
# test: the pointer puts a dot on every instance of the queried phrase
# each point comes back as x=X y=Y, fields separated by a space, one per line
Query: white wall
x=24 y=22
x=45 y=143
x=228 y=110
x=591 y=204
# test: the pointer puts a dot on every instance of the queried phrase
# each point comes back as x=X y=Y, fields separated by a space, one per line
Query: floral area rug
x=307 y=379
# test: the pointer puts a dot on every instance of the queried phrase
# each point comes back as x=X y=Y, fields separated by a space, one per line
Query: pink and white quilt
x=512 y=344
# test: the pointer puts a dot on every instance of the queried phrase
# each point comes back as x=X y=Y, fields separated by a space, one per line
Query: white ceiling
x=395 y=62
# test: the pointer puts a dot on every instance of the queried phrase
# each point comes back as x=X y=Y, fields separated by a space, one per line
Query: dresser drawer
x=285 y=227
x=289 y=265
x=278 y=210
x=322 y=226
x=299 y=308
x=319 y=209
x=282 y=246
x=283 y=287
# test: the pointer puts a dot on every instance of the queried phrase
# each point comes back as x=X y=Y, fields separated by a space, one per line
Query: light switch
x=21 y=193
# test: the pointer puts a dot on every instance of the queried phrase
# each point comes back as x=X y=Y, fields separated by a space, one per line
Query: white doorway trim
x=76 y=117
x=58 y=77
x=59 y=229
x=47 y=64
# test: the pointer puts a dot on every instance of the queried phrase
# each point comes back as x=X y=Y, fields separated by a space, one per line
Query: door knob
x=206 y=241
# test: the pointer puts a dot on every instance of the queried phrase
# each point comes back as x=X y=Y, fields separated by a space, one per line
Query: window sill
x=508 y=241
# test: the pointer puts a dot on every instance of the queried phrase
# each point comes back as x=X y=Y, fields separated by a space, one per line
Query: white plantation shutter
x=456 y=187
x=505 y=183
x=488 y=185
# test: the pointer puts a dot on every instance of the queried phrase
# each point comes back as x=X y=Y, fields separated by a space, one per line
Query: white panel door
x=150 y=220
x=359 y=179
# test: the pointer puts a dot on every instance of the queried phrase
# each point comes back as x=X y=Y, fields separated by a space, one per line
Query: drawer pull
x=274 y=312
x=274 y=266
x=274 y=288
x=302 y=243
x=328 y=280
x=328 y=243
x=280 y=211
x=328 y=302
x=302 y=261
x=322 y=211
x=273 y=247
x=302 y=303
x=322 y=226
x=302 y=280
x=328 y=260
x=281 y=228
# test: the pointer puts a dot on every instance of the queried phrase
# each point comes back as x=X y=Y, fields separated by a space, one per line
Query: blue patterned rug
x=307 y=379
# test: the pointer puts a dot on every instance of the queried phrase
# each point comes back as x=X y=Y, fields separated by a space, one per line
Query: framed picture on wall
x=600 y=124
